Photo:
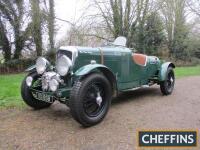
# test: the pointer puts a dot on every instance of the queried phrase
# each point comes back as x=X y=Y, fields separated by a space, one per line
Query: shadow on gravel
x=57 y=111
x=136 y=95
x=60 y=111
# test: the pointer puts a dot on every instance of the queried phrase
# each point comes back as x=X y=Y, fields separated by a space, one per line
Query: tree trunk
x=6 y=49
x=4 y=42
x=38 y=41
x=19 y=43
x=37 y=22
x=51 y=25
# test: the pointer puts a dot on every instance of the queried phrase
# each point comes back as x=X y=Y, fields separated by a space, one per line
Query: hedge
x=16 y=66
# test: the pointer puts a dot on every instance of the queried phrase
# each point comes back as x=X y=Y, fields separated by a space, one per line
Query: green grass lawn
x=10 y=91
x=187 y=71
x=10 y=86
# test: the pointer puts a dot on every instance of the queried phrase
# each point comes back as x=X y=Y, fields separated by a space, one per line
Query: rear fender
x=163 y=70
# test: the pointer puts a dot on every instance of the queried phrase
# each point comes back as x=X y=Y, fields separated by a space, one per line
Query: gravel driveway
x=54 y=128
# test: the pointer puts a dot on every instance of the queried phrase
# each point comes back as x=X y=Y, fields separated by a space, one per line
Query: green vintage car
x=86 y=79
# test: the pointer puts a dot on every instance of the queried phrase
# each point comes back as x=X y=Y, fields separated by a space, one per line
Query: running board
x=133 y=89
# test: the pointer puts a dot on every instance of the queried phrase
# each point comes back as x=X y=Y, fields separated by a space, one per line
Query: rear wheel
x=90 y=99
x=167 y=86
x=28 y=97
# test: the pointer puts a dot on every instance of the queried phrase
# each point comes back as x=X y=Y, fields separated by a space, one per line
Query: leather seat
x=140 y=59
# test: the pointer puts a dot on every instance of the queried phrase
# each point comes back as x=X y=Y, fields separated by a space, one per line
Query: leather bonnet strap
x=102 y=57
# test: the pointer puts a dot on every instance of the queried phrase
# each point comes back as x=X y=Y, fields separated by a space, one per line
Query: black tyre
x=167 y=86
x=28 y=97
x=90 y=99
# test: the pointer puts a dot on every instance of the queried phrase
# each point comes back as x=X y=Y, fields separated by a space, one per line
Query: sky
x=69 y=10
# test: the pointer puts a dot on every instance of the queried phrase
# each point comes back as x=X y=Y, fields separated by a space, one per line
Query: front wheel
x=28 y=97
x=167 y=86
x=90 y=99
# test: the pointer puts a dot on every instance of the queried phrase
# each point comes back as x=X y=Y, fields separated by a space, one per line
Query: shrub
x=16 y=66
x=193 y=61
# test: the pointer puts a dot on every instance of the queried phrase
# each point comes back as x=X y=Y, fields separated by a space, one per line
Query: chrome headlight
x=63 y=65
x=41 y=65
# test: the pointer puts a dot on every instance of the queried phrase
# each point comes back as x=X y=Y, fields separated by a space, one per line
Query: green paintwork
x=65 y=92
x=118 y=64
x=88 y=68
x=119 y=61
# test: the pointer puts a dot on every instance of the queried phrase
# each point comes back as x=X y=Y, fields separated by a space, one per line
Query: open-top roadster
x=86 y=79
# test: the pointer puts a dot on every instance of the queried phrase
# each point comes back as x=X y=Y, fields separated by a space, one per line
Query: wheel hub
x=99 y=99
x=171 y=80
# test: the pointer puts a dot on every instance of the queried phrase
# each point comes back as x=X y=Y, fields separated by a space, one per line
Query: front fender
x=31 y=68
x=87 y=69
x=163 y=70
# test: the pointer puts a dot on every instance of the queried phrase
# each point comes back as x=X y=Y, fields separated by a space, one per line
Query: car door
x=139 y=68
x=130 y=71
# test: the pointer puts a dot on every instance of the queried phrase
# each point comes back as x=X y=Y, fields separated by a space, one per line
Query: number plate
x=43 y=97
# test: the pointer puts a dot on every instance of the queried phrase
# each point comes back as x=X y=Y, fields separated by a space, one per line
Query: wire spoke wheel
x=167 y=86
x=170 y=81
x=90 y=99
x=91 y=105
x=27 y=95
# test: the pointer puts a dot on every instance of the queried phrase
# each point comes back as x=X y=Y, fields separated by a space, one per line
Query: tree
x=51 y=24
x=142 y=9
x=49 y=13
x=154 y=36
x=125 y=18
x=82 y=35
x=4 y=42
x=194 y=6
x=175 y=24
x=13 y=12
x=27 y=23
x=37 y=25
